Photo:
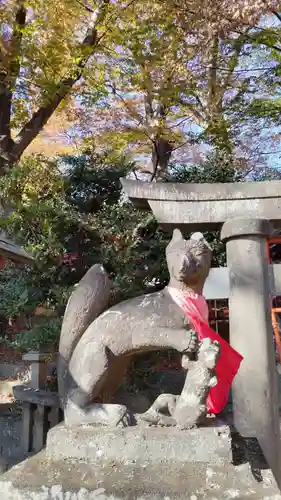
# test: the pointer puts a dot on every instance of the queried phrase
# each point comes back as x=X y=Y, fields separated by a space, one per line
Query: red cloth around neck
x=195 y=308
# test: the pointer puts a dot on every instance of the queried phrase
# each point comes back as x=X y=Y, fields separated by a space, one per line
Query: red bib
x=195 y=307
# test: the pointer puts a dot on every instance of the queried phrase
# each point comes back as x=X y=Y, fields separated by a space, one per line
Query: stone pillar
x=27 y=427
x=255 y=397
x=40 y=430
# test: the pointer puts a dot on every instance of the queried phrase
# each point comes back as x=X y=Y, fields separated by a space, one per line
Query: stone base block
x=137 y=463
x=40 y=478
x=142 y=445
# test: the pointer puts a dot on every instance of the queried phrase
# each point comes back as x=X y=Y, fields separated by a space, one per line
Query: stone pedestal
x=143 y=445
x=137 y=463
x=255 y=396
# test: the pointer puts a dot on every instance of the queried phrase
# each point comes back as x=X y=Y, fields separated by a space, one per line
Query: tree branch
x=277 y=15
x=89 y=9
x=34 y=126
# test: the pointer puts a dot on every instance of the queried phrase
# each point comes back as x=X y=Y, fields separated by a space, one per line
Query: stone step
x=211 y=444
x=140 y=463
x=40 y=478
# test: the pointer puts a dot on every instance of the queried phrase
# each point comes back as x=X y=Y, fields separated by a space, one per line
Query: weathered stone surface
x=137 y=190
x=246 y=227
x=40 y=478
x=206 y=206
x=141 y=444
x=38 y=397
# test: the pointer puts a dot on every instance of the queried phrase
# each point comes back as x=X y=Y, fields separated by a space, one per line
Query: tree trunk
x=12 y=150
x=161 y=154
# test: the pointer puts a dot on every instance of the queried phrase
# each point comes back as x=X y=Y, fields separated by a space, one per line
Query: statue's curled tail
x=87 y=301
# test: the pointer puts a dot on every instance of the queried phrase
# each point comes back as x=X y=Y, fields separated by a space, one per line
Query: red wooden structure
x=276 y=301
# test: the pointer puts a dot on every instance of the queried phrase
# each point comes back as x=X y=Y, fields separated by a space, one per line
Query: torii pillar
x=255 y=395
x=245 y=213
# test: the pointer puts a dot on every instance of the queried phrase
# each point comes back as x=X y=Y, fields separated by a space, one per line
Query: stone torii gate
x=246 y=214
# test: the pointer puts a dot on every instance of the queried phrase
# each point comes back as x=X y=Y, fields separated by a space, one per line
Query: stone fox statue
x=96 y=344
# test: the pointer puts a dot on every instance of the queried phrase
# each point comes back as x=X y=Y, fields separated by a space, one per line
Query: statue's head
x=189 y=261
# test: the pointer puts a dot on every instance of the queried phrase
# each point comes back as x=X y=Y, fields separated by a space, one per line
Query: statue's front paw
x=188 y=354
x=109 y=415
x=156 y=418
x=209 y=352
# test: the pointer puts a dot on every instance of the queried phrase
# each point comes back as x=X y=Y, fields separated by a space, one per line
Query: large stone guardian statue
x=97 y=344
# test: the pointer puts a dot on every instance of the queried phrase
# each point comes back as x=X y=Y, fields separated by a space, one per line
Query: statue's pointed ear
x=177 y=236
x=200 y=237
x=197 y=236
